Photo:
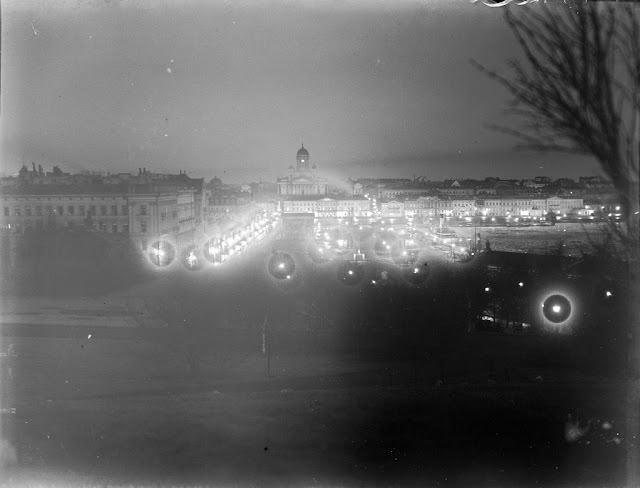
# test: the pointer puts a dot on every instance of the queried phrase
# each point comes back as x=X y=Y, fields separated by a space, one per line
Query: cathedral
x=303 y=179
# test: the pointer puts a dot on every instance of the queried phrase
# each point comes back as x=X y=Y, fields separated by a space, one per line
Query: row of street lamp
x=282 y=267
x=215 y=251
x=557 y=307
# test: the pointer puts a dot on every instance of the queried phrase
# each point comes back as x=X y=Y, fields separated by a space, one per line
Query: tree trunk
x=633 y=386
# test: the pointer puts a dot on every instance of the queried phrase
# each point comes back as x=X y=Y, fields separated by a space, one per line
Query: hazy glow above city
x=374 y=89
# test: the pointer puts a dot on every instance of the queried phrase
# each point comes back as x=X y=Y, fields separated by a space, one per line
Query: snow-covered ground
x=573 y=238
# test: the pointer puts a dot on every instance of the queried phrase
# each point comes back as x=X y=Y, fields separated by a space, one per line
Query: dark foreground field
x=106 y=411
x=94 y=401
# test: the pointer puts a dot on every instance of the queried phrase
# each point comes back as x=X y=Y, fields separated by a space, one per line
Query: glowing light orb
x=281 y=266
x=161 y=253
x=350 y=273
x=212 y=251
x=190 y=259
x=416 y=275
x=556 y=308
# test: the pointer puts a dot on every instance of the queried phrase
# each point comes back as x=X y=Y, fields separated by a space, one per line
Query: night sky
x=232 y=88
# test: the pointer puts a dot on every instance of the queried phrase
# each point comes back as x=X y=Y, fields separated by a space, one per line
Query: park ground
x=99 y=396
x=119 y=411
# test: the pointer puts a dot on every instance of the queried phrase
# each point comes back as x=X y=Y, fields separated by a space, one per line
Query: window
x=60 y=210
x=50 y=210
x=17 y=211
x=103 y=210
x=71 y=210
x=81 y=210
x=125 y=210
x=114 y=210
x=114 y=228
x=27 y=211
x=92 y=209
x=143 y=210
x=163 y=215
x=125 y=228
x=143 y=227
x=6 y=211
x=174 y=214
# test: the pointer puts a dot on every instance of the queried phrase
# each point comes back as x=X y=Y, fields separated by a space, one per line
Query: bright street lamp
x=556 y=309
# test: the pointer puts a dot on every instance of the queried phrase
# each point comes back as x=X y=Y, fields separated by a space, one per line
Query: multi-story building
x=392 y=208
x=457 y=189
x=395 y=193
x=564 y=206
x=488 y=207
x=421 y=207
x=141 y=211
x=510 y=206
x=53 y=207
x=328 y=207
x=155 y=215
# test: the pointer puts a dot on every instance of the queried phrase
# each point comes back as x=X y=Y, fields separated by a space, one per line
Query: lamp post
x=475 y=235
x=266 y=342
x=556 y=309
x=282 y=268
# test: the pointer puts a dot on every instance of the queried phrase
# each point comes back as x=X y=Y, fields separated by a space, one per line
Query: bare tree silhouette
x=577 y=89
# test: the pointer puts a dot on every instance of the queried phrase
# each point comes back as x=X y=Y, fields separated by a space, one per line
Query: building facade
x=328 y=207
x=427 y=207
x=142 y=212
x=47 y=208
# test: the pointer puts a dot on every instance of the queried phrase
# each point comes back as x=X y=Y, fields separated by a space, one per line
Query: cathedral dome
x=302 y=159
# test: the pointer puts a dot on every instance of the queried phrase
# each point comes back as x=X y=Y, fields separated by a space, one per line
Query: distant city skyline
x=374 y=89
